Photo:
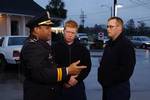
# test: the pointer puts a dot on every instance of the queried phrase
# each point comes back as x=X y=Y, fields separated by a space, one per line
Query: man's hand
x=72 y=82
x=66 y=85
x=74 y=69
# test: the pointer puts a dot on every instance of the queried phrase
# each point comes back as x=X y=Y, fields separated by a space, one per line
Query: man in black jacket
x=70 y=50
x=117 y=63
x=42 y=75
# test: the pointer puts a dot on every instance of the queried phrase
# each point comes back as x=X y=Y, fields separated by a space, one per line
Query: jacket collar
x=112 y=42
x=76 y=41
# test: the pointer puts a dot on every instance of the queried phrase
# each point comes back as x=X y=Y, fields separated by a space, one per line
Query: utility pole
x=114 y=8
x=111 y=11
x=82 y=18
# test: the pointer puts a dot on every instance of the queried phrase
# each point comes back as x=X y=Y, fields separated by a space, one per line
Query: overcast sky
x=98 y=14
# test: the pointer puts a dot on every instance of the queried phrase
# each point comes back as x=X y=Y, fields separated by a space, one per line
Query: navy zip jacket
x=117 y=63
x=66 y=54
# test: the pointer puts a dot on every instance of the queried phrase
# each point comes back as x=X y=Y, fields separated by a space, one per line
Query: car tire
x=3 y=64
x=144 y=46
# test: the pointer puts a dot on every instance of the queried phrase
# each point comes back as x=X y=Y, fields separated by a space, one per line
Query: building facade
x=14 y=14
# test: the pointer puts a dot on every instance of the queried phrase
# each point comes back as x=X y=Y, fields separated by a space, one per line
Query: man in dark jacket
x=42 y=75
x=70 y=50
x=117 y=63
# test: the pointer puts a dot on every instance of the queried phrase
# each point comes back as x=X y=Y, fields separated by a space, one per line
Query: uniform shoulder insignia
x=49 y=56
x=33 y=40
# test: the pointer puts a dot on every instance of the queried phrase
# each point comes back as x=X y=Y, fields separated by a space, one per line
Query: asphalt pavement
x=11 y=87
x=140 y=81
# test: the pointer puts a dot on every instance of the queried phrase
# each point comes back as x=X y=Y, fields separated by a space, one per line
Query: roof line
x=15 y=14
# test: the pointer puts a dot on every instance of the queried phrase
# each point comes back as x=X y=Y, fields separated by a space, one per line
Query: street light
x=110 y=7
x=116 y=8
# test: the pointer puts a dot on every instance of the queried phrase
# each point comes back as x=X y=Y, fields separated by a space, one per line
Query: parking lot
x=11 y=87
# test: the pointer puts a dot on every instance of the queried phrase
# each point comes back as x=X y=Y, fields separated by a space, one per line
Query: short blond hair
x=71 y=24
x=118 y=19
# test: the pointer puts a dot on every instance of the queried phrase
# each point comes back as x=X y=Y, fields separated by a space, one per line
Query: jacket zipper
x=70 y=55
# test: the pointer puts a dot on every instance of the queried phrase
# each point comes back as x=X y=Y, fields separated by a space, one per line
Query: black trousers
x=74 y=93
x=118 y=92
x=33 y=91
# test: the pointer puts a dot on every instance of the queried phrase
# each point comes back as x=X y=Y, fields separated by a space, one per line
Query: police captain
x=42 y=76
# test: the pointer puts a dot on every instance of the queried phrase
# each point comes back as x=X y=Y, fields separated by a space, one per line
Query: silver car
x=141 y=41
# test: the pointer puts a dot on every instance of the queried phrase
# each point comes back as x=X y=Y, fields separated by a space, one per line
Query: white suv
x=10 y=47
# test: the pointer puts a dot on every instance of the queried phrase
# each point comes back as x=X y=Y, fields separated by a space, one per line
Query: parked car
x=10 y=47
x=105 y=40
x=141 y=41
x=83 y=38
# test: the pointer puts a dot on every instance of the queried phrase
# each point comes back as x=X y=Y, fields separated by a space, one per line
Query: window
x=14 y=28
x=138 y=39
x=16 y=41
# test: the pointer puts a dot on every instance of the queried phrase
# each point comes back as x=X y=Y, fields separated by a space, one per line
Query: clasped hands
x=72 y=82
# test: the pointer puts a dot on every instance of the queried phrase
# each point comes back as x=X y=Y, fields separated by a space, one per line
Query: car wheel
x=135 y=46
x=3 y=63
x=144 y=46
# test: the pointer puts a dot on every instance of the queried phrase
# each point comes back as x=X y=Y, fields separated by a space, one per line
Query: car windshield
x=16 y=41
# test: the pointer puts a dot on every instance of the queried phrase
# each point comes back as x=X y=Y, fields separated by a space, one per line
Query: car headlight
x=148 y=43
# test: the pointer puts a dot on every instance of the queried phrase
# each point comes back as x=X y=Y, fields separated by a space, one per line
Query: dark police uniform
x=42 y=77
